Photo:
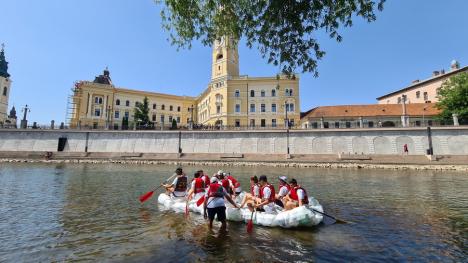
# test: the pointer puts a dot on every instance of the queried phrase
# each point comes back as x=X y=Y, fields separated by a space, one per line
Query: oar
x=339 y=221
x=250 y=223
x=148 y=195
x=186 y=209
x=201 y=200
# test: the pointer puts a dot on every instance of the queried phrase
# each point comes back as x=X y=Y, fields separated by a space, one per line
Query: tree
x=142 y=112
x=285 y=32
x=174 y=124
x=453 y=98
x=124 y=123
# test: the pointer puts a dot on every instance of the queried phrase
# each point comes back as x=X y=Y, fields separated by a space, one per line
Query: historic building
x=230 y=100
x=422 y=91
x=5 y=84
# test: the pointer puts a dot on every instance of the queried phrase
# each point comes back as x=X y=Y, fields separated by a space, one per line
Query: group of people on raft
x=262 y=196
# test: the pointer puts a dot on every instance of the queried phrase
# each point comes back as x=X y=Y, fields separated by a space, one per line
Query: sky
x=50 y=44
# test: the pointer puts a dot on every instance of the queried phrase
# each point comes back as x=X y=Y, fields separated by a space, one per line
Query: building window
x=170 y=119
x=127 y=115
x=287 y=107
x=262 y=107
x=117 y=102
x=97 y=112
x=358 y=124
x=5 y=90
x=418 y=94
x=429 y=123
x=178 y=108
x=163 y=107
x=273 y=107
x=399 y=100
x=237 y=94
x=252 y=123
x=426 y=97
x=252 y=107
x=154 y=106
x=370 y=124
x=418 y=123
x=273 y=93
x=137 y=103
x=98 y=100
x=325 y=125
x=237 y=108
x=314 y=125
x=178 y=119
x=127 y=103
x=286 y=92
x=262 y=93
x=237 y=123
x=262 y=123
x=337 y=124
x=273 y=123
x=116 y=126
x=162 y=118
x=348 y=124
x=171 y=108
x=117 y=114
x=218 y=109
x=291 y=107
x=153 y=117
x=290 y=92
x=291 y=123
x=252 y=93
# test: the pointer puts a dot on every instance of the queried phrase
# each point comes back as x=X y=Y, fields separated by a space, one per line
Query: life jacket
x=294 y=196
x=225 y=184
x=287 y=186
x=272 y=195
x=215 y=190
x=252 y=188
x=181 y=185
x=199 y=185
x=206 y=180
x=234 y=181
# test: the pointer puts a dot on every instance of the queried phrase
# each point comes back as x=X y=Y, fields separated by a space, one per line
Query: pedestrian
x=405 y=149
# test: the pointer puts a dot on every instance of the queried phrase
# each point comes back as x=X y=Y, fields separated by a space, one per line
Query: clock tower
x=5 y=84
x=225 y=58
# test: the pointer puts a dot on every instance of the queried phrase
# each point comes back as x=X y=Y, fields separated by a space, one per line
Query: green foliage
x=124 y=123
x=174 y=124
x=142 y=112
x=453 y=98
x=285 y=32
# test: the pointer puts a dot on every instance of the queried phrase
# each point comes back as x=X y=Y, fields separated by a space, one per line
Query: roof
x=420 y=83
x=371 y=110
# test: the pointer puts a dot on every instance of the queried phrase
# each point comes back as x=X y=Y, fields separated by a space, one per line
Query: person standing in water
x=214 y=203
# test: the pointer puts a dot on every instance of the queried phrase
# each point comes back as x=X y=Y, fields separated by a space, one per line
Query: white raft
x=303 y=216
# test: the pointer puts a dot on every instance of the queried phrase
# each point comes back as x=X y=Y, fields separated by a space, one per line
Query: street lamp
x=191 y=118
x=286 y=122
x=424 y=110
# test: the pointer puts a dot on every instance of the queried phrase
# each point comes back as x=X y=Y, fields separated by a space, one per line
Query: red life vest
x=272 y=190
x=287 y=186
x=294 y=196
x=199 y=185
x=215 y=190
x=181 y=185
x=225 y=184
x=206 y=180
x=234 y=181
x=252 y=188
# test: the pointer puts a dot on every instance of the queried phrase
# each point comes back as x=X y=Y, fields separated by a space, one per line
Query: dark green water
x=92 y=213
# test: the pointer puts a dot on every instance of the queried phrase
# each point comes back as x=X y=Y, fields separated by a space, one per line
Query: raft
x=303 y=216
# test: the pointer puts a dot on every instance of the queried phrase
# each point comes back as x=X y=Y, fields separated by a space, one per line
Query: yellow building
x=230 y=100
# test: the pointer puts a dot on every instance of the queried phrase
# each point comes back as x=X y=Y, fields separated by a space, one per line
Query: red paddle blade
x=250 y=226
x=201 y=200
x=186 y=211
x=146 y=196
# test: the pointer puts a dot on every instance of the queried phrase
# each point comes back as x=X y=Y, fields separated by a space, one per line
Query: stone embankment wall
x=446 y=141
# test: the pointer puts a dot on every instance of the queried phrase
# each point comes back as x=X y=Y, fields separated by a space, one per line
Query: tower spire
x=3 y=63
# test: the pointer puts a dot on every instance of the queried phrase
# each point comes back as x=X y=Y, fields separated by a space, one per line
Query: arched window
x=178 y=108
x=237 y=93
x=286 y=92
x=117 y=102
x=170 y=107
x=273 y=93
x=127 y=103
x=262 y=93
x=154 y=106
x=290 y=92
x=5 y=90
x=163 y=107
x=219 y=56
x=252 y=93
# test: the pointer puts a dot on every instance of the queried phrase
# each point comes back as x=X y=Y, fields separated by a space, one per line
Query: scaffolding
x=73 y=105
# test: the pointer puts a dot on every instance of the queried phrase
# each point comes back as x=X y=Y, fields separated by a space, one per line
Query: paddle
x=250 y=223
x=148 y=195
x=186 y=209
x=201 y=200
x=339 y=221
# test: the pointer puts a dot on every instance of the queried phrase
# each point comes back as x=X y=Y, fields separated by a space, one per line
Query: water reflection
x=92 y=213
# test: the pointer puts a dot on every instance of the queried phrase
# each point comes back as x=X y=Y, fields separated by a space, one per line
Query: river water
x=85 y=212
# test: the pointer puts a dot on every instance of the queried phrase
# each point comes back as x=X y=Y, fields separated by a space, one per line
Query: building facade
x=229 y=101
x=5 y=84
x=424 y=91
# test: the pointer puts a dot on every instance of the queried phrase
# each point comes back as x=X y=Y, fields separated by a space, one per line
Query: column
x=455 y=119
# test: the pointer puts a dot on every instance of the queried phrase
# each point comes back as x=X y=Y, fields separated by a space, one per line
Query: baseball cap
x=283 y=178
x=220 y=172
x=213 y=180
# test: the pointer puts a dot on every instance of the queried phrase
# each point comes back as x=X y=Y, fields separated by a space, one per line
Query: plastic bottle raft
x=303 y=216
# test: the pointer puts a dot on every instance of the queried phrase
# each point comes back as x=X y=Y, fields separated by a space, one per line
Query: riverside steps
x=360 y=148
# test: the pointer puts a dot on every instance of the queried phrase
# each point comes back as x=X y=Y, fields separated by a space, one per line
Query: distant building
x=424 y=91
x=229 y=100
x=370 y=116
x=5 y=84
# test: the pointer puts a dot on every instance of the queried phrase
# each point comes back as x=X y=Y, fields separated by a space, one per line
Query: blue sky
x=52 y=43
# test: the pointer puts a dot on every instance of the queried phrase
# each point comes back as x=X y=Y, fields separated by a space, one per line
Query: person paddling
x=297 y=196
x=214 y=203
x=254 y=192
x=266 y=201
x=178 y=186
x=283 y=191
x=197 y=186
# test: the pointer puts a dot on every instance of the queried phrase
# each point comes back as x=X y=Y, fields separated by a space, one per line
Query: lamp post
x=424 y=110
x=24 y=121
x=191 y=118
x=286 y=122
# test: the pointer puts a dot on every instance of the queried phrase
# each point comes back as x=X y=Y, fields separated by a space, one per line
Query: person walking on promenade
x=405 y=149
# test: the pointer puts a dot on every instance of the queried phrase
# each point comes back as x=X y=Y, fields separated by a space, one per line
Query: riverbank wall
x=445 y=141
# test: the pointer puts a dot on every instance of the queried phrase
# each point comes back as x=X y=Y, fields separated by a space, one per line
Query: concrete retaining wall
x=446 y=141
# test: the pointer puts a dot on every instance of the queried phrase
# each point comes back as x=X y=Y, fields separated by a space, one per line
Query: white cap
x=283 y=178
x=220 y=172
x=213 y=180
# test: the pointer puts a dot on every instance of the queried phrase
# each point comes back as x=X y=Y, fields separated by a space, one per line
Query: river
x=91 y=212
